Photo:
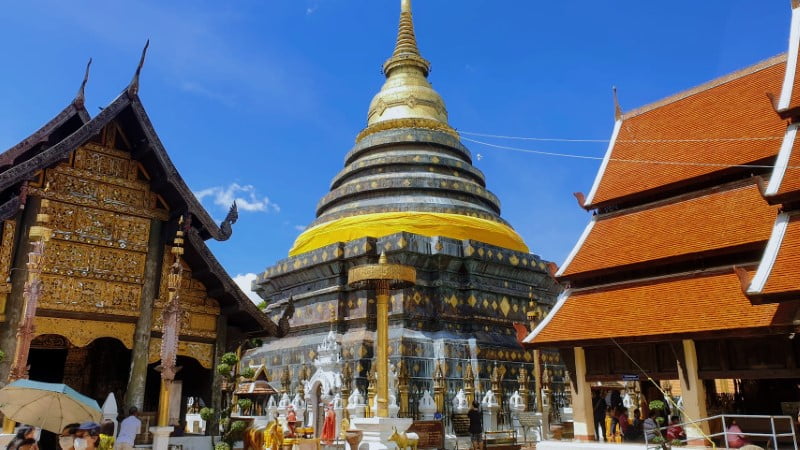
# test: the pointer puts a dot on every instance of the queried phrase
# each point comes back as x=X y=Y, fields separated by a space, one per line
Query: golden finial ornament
x=406 y=98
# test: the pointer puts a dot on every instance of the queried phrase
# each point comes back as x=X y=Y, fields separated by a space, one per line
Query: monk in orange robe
x=329 y=426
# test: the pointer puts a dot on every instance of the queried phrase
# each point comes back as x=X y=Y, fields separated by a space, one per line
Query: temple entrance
x=195 y=382
x=47 y=357
x=95 y=370
x=108 y=365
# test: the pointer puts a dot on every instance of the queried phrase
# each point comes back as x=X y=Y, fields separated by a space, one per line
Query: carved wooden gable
x=100 y=208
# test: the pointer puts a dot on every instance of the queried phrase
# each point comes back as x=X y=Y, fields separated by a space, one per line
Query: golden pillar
x=39 y=234
x=347 y=381
x=402 y=387
x=522 y=380
x=371 y=375
x=382 y=277
x=469 y=383
x=438 y=388
x=537 y=377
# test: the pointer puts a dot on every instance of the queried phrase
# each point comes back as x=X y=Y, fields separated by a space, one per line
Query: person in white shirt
x=128 y=429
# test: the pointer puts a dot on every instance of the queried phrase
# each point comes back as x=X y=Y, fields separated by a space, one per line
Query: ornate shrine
x=114 y=198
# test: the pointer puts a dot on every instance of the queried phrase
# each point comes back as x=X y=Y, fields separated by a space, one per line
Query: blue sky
x=260 y=100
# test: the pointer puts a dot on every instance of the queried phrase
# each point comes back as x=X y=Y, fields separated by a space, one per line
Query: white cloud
x=244 y=281
x=312 y=9
x=246 y=197
x=300 y=227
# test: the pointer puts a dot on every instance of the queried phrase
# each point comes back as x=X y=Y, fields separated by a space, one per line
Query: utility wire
x=648 y=141
x=623 y=160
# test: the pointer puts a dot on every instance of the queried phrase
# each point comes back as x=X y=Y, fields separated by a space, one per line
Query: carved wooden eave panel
x=202 y=352
x=198 y=311
x=241 y=312
x=81 y=333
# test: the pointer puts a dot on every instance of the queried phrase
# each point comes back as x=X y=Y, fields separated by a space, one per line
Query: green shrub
x=224 y=369
x=222 y=446
x=656 y=404
x=207 y=413
x=230 y=359
x=248 y=373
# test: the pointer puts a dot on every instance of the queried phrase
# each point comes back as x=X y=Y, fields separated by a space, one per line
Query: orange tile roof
x=715 y=221
x=790 y=185
x=675 y=307
x=783 y=278
x=735 y=106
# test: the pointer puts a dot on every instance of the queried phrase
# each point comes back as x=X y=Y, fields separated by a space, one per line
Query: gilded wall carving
x=203 y=353
x=81 y=333
x=91 y=261
x=93 y=226
x=70 y=293
x=100 y=161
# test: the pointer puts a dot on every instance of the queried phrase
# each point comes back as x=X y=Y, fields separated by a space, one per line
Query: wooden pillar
x=693 y=393
x=8 y=329
x=134 y=394
x=212 y=427
x=537 y=378
x=582 y=412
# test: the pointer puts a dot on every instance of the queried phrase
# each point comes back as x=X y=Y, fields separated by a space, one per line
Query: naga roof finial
x=80 y=97
x=617 y=108
x=133 y=88
x=226 y=227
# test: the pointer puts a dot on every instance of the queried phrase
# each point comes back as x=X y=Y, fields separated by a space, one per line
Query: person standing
x=128 y=429
x=475 y=425
x=329 y=426
x=599 y=409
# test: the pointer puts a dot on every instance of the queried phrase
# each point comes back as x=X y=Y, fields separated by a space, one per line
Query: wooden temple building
x=114 y=200
x=687 y=269
x=408 y=188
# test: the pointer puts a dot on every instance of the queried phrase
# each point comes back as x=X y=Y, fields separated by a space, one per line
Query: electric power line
x=645 y=141
x=623 y=160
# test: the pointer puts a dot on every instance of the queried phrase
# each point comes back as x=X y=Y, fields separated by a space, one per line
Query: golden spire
x=405 y=50
x=406 y=98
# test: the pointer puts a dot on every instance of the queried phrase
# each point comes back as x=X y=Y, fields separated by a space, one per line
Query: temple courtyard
x=410 y=312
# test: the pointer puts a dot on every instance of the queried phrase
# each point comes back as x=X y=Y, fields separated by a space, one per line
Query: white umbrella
x=50 y=406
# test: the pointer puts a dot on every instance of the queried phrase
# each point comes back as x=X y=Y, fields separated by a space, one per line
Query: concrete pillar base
x=161 y=437
x=377 y=431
